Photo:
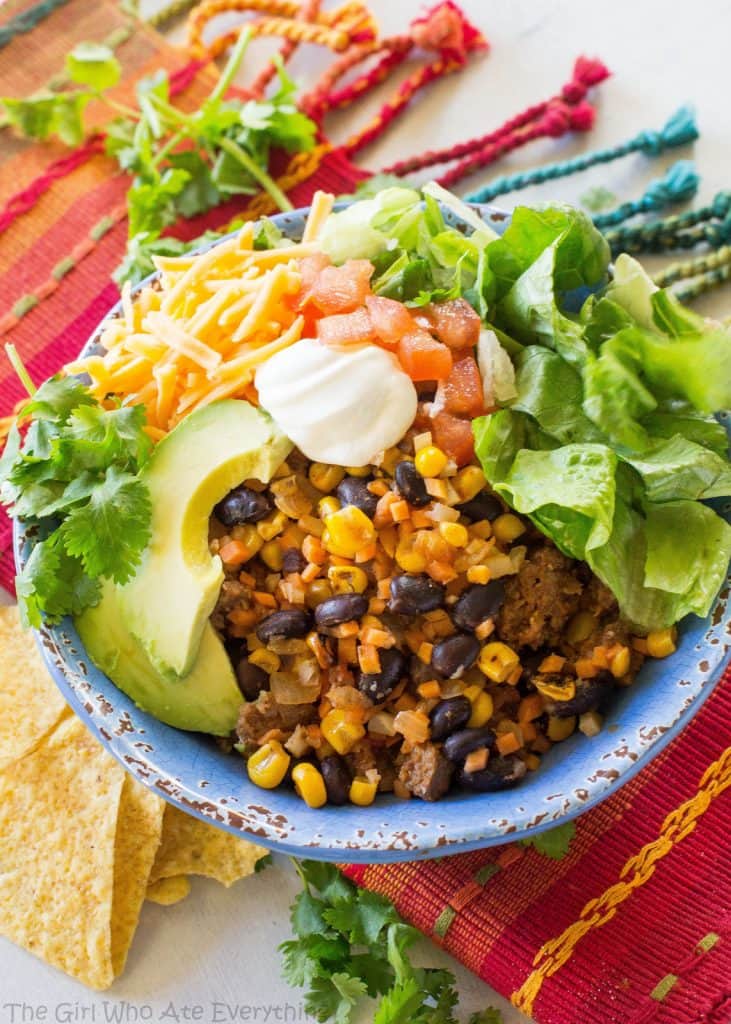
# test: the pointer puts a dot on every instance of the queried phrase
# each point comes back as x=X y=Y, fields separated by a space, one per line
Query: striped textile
x=634 y=925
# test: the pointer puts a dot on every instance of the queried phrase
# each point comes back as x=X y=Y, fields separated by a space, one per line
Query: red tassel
x=557 y=120
x=586 y=73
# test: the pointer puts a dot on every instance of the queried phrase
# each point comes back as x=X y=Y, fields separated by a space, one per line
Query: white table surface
x=213 y=957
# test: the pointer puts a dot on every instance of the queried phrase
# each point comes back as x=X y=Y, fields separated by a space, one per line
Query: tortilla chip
x=30 y=703
x=139 y=829
x=193 y=847
x=168 y=891
x=58 y=822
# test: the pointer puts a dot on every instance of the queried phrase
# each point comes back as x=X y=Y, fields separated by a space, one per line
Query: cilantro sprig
x=351 y=944
x=183 y=163
x=75 y=475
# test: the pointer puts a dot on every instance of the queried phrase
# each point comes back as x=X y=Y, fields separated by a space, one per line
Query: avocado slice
x=167 y=604
x=206 y=700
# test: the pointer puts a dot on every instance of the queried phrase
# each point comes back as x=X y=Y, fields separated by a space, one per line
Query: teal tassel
x=679 y=183
x=710 y=224
x=678 y=130
x=684 y=269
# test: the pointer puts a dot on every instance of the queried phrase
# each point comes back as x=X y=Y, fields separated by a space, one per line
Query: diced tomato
x=455 y=323
x=346 y=328
x=453 y=436
x=423 y=357
x=391 y=319
x=461 y=393
x=341 y=289
x=310 y=267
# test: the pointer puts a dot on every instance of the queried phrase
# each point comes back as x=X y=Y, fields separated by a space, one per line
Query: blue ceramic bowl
x=191 y=772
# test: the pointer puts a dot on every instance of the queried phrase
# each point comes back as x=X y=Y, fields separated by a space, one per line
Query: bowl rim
x=125 y=738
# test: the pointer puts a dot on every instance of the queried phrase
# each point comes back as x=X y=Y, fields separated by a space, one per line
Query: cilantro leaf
x=263 y=863
x=375 y=970
x=326 y=878
x=57 y=398
x=110 y=532
x=95 y=437
x=311 y=957
x=44 y=115
x=199 y=192
x=93 y=64
x=363 y=918
x=554 y=843
x=334 y=998
x=400 y=1004
x=306 y=915
x=53 y=583
x=490 y=1015
x=152 y=204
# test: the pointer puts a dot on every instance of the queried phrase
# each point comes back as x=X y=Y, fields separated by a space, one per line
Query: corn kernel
x=661 y=643
x=580 y=628
x=469 y=482
x=390 y=459
x=347 y=579
x=326 y=506
x=265 y=659
x=565 y=690
x=472 y=692
x=272 y=555
x=478 y=574
x=409 y=559
x=454 y=534
x=348 y=531
x=619 y=665
x=497 y=661
x=482 y=710
x=559 y=729
x=341 y=733
x=317 y=592
x=507 y=528
x=362 y=791
x=272 y=526
x=325 y=478
x=358 y=470
x=430 y=461
x=268 y=765
x=309 y=784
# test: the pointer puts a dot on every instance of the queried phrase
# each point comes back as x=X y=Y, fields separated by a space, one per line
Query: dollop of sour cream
x=340 y=405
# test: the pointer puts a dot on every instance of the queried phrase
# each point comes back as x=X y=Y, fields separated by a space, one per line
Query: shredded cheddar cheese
x=200 y=331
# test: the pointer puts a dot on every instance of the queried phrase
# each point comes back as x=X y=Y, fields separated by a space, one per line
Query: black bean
x=414 y=594
x=453 y=656
x=242 y=505
x=477 y=603
x=289 y=623
x=251 y=679
x=410 y=484
x=353 y=490
x=293 y=560
x=341 y=608
x=419 y=671
x=460 y=744
x=337 y=779
x=483 y=506
x=378 y=685
x=448 y=716
x=589 y=695
x=501 y=773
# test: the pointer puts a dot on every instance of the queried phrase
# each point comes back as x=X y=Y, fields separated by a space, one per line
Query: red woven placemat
x=634 y=925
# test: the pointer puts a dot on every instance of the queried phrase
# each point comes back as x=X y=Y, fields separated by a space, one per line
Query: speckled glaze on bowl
x=190 y=771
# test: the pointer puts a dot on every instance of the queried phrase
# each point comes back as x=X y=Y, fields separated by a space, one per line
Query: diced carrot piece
x=508 y=743
x=430 y=690
x=345 y=328
x=454 y=437
x=552 y=663
x=586 y=669
x=235 y=552
x=455 y=322
x=341 y=289
x=265 y=599
x=462 y=393
x=399 y=511
x=424 y=358
x=530 y=707
x=313 y=551
x=476 y=760
x=391 y=319
x=369 y=659
x=310 y=572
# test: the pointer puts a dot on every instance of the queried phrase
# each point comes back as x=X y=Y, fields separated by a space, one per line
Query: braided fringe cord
x=586 y=74
x=697 y=276
x=27 y=20
x=334 y=29
x=676 y=186
x=679 y=130
x=309 y=12
x=711 y=223
x=635 y=873
x=558 y=119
